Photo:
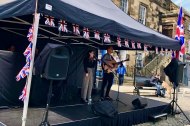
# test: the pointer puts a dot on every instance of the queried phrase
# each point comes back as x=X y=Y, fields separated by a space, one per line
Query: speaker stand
x=45 y=119
x=174 y=102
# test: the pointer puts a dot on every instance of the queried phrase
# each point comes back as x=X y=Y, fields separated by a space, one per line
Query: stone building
x=160 y=15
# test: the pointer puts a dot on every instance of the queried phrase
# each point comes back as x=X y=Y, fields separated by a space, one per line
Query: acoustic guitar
x=111 y=65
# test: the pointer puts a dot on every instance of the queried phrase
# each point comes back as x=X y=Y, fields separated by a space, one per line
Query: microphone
x=95 y=58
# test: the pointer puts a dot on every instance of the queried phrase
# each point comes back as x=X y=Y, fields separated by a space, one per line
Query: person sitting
x=160 y=91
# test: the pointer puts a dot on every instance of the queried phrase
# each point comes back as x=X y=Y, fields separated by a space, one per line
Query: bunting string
x=25 y=70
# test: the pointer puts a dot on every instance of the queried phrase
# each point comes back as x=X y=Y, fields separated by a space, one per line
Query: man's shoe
x=102 y=99
x=84 y=101
x=109 y=98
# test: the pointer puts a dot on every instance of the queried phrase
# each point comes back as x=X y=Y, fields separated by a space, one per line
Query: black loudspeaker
x=174 y=70
x=180 y=72
x=139 y=103
x=57 y=64
x=104 y=108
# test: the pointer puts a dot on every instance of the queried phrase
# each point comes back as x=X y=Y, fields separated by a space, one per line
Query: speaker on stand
x=174 y=71
x=56 y=68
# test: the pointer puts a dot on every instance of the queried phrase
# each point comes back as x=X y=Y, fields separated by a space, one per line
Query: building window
x=124 y=5
x=142 y=14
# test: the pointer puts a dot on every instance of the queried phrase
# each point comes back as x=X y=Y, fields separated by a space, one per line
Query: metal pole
x=29 y=79
x=134 y=73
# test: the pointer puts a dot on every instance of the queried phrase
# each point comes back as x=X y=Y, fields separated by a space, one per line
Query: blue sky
x=185 y=4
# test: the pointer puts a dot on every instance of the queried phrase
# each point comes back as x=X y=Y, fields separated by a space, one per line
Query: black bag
x=104 y=108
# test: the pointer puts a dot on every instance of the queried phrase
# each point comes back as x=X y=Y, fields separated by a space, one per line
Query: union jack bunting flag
x=126 y=43
x=107 y=38
x=28 y=50
x=162 y=51
x=118 y=42
x=156 y=50
x=166 y=52
x=138 y=45
x=86 y=33
x=23 y=73
x=180 y=33
x=133 y=45
x=27 y=53
x=30 y=34
x=23 y=95
x=76 y=29
x=62 y=26
x=97 y=35
x=50 y=21
x=145 y=48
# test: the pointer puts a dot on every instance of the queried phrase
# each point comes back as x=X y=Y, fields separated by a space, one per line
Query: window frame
x=124 y=5
x=144 y=8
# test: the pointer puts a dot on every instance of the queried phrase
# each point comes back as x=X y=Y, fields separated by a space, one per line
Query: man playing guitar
x=109 y=65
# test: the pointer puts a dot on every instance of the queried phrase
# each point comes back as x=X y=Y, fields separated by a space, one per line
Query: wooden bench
x=156 y=116
x=137 y=89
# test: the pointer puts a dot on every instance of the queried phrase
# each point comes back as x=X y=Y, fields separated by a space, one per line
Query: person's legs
x=110 y=82
x=122 y=79
x=90 y=85
x=158 y=89
x=105 y=79
x=84 y=87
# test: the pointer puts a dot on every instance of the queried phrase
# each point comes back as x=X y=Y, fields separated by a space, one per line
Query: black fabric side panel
x=16 y=8
x=10 y=65
x=63 y=91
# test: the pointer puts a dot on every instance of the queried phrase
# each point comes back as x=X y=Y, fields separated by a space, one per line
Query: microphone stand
x=118 y=92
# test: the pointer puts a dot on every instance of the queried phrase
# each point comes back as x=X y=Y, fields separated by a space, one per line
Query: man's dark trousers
x=107 y=79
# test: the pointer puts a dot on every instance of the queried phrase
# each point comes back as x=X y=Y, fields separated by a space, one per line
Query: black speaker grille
x=57 y=64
